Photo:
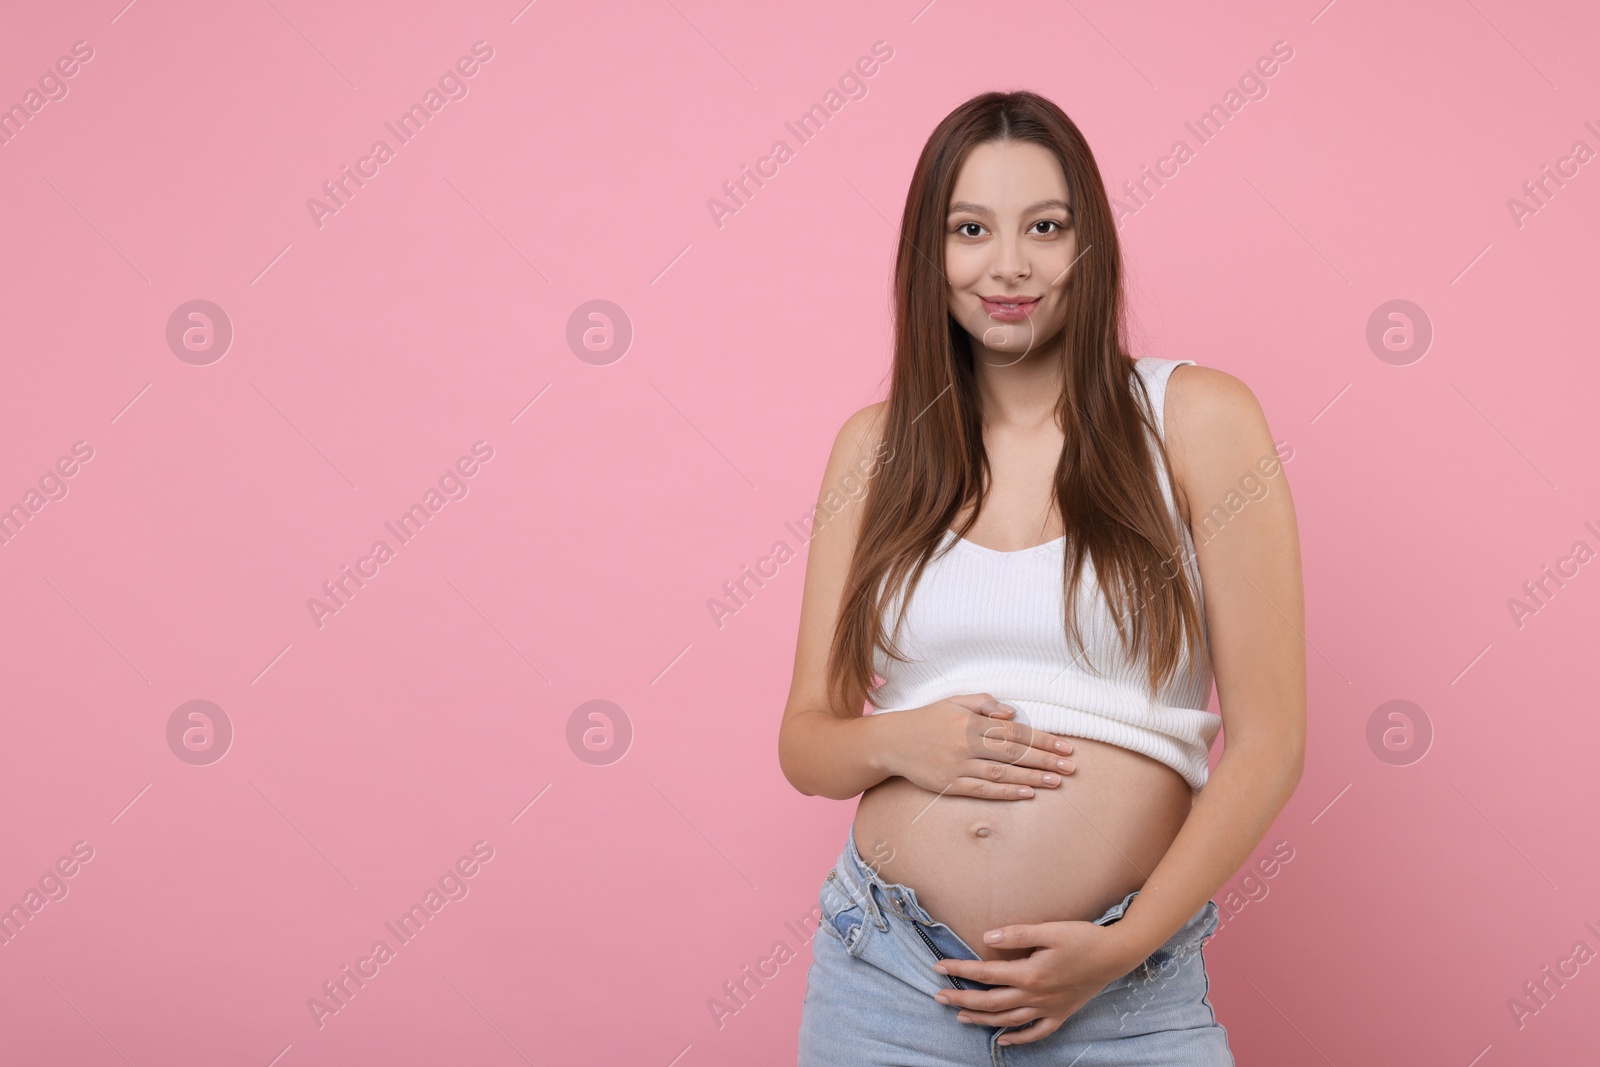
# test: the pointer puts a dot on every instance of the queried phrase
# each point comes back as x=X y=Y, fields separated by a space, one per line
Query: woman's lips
x=1009 y=311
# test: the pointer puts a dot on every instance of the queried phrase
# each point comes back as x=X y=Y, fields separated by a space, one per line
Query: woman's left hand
x=1070 y=963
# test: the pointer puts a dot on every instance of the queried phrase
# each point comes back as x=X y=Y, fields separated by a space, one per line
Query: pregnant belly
x=1068 y=852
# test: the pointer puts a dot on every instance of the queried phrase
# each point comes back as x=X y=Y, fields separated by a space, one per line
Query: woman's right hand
x=970 y=746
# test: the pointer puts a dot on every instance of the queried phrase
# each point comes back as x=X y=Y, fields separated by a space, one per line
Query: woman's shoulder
x=859 y=450
x=1203 y=399
x=1215 y=428
x=861 y=433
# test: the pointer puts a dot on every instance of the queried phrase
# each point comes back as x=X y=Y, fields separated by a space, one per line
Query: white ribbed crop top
x=985 y=621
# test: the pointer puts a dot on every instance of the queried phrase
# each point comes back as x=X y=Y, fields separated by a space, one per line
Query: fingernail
x=941 y=998
x=1050 y=779
x=1064 y=764
x=992 y=936
x=1062 y=746
x=1025 y=791
x=940 y=968
x=1070 y=766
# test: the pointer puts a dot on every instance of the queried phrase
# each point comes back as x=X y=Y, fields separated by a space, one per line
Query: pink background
x=432 y=310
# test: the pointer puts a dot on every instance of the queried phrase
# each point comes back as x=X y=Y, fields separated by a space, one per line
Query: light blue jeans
x=869 y=992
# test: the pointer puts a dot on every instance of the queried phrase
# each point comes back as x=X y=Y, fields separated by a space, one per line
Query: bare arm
x=1247 y=544
x=822 y=753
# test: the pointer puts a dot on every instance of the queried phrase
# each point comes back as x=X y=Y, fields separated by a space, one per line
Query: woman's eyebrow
x=978 y=209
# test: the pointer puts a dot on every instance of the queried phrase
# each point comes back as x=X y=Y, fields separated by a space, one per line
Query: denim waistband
x=866 y=887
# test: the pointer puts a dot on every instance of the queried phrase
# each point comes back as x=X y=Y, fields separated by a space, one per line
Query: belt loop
x=853 y=884
x=865 y=880
x=875 y=908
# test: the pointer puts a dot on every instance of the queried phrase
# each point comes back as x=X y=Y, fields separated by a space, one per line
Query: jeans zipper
x=926 y=940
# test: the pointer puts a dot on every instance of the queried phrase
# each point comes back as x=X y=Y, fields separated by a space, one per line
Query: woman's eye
x=973 y=229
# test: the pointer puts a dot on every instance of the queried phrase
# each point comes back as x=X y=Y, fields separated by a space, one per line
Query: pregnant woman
x=1059 y=548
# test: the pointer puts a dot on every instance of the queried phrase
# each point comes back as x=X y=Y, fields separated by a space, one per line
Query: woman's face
x=1009 y=239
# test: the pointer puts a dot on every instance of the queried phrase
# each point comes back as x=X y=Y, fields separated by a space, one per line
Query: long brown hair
x=1105 y=483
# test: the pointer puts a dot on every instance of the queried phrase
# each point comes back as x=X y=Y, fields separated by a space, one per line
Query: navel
x=982 y=829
